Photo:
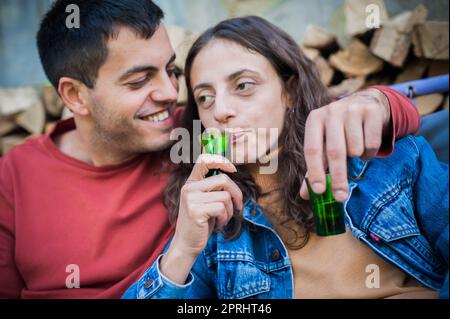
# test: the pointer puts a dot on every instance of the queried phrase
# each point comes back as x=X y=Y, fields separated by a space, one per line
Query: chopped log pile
x=406 y=47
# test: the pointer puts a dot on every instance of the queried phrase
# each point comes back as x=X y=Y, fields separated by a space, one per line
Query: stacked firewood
x=406 y=47
x=26 y=112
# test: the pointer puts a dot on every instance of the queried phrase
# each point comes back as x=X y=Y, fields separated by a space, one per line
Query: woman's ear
x=72 y=93
x=289 y=90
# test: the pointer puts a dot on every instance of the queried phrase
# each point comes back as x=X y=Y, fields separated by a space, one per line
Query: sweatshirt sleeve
x=11 y=283
x=405 y=119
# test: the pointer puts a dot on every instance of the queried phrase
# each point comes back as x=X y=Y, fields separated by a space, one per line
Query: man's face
x=135 y=93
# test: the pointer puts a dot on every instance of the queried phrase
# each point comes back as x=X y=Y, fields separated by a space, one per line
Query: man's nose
x=166 y=91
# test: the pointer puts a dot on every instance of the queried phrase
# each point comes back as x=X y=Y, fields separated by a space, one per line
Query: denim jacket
x=398 y=206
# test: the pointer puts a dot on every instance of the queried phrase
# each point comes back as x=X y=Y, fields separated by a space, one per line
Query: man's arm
x=405 y=119
x=364 y=124
x=11 y=283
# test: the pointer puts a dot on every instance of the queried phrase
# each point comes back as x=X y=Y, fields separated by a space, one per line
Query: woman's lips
x=238 y=136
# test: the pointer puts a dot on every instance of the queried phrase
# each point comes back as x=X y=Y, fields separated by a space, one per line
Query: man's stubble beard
x=119 y=134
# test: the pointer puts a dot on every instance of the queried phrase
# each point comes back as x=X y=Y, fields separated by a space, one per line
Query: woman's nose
x=223 y=112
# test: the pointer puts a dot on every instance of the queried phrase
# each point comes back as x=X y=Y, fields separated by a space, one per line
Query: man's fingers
x=337 y=157
x=218 y=183
x=314 y=151
x=373 y=134
x=206 y=162
x=354 y=134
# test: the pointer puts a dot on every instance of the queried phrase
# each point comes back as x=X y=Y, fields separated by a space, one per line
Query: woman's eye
x=205 y=99
x=245 y=86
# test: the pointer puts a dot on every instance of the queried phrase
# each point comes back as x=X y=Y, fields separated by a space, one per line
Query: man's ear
x=73 y=94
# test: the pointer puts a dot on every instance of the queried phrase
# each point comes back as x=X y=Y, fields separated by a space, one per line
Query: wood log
x=348 y=86
x=16 y=100
x=431 y=40
x=52 y=102
x=7 y=143
x=182 y=91
x=317 y=38
x=357 y=16
x=7 y=124
x=325 y=70
x=428 y=104
x=446 y=103
x=181 y=40
x=311 y=53
x=438 y=67
x=49 y=126
x=356 y=60
x=415 y=69
x=33 y=119
x=393 y=42
x=66 y=114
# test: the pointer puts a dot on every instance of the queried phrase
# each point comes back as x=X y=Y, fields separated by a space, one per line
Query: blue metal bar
x=439 y=84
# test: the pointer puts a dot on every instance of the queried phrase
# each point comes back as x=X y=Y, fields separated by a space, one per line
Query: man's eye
x=245 y=86
x=174 y=71
x=138 y=84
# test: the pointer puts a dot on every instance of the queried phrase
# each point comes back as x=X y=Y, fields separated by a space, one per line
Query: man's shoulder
x=25 y=150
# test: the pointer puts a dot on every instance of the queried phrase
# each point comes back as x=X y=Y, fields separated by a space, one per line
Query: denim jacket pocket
x=239 y=279
x=395 y=225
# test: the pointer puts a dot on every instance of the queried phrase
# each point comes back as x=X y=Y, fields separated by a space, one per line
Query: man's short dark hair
x=79 y=53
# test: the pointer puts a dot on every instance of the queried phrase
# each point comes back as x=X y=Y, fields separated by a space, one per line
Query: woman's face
x=239 y=91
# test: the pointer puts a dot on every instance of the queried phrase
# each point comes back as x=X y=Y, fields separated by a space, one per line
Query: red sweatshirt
x=61 y=218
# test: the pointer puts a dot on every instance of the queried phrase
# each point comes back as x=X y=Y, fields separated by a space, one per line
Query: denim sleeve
x=431 y=192
x=154 y=285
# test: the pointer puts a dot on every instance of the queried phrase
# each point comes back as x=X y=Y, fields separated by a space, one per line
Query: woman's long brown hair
x=301 y=82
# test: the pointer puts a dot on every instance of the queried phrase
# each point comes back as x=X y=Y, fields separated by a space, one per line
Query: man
x=81 y=212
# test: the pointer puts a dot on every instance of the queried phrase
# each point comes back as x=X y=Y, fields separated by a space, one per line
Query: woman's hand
x=205 y=204
x=350 y=127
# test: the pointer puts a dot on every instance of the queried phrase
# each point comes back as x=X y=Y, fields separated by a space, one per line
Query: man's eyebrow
x=144 y=69
x=230 y=78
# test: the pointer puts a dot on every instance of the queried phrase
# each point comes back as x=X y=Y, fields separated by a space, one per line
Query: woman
x=264 y=245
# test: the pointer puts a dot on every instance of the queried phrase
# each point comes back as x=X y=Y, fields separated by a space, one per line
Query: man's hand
x=351 y=127
x=205 y=204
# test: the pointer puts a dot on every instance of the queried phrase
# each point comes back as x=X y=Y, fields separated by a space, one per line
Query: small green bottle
x=328 y=213
x=216 y=144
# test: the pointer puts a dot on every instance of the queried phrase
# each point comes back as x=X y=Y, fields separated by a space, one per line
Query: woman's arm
x=154 y=285
x=431 y=191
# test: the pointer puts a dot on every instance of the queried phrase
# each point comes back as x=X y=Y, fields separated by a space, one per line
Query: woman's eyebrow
x=230 y=78
x=237 y=74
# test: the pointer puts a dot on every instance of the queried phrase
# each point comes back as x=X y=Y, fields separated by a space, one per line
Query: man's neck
x=80 y=147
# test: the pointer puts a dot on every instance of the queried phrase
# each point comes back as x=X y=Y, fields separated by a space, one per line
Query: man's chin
x=164 y=144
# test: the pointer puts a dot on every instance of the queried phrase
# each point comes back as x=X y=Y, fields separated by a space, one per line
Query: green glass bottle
x=328 y=213
x=216 y=144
